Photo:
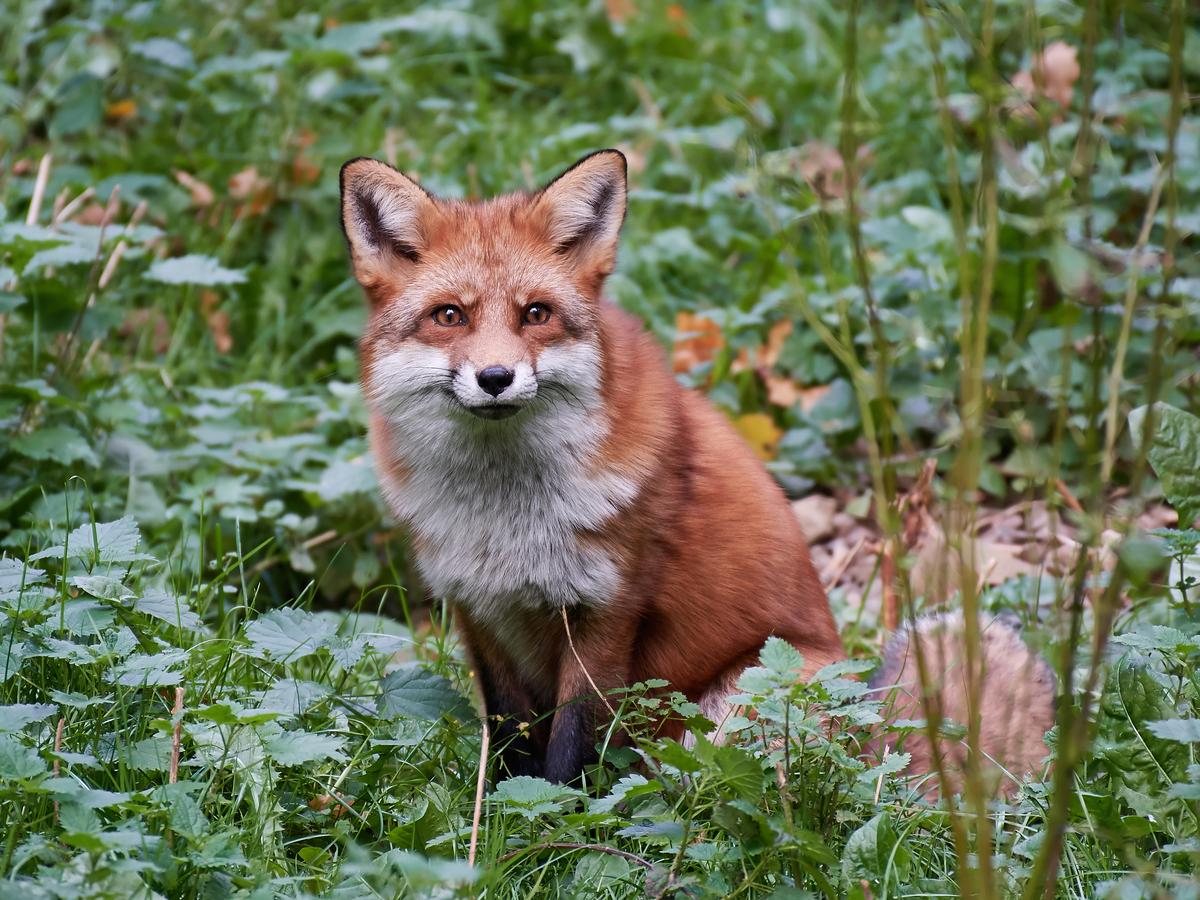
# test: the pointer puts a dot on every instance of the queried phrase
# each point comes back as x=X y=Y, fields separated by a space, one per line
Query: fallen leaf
x=822 y=167
x=255 y=190
x=815 y=514
x=619 y=11
x=776 y=337
x=92 y=214
x=760 y=432
x=202 y=194
x=138 y=321
x=121 y=110
x=782 y=391
x=218 y=321
x=698 y=340
x=1052 y=75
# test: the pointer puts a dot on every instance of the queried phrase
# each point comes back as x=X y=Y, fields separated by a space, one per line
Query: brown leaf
x=815 y=514
x=92 y=214
x=822 y=167
x=137 y=321
x=698 y=340
x=781 y=390
x=620 y=11
x=202 y=194
x=256 y=191
x=1052 y=75
x=218 y=321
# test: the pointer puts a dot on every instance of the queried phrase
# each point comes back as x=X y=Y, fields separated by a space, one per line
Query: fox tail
x=1016 y=699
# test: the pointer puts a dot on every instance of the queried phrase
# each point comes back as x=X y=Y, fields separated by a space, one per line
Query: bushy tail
x=1016 y=701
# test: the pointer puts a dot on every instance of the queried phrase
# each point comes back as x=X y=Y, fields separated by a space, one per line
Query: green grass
x=186 y=501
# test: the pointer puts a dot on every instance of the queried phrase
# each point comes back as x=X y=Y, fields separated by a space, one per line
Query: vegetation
x=930 y=260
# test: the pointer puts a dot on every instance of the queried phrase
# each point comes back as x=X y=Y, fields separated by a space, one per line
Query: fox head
x=482 y=311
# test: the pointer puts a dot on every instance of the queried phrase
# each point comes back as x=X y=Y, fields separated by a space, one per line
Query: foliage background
x=177 y=352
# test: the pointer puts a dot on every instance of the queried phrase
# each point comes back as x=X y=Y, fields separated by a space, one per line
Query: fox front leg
x=596 y=658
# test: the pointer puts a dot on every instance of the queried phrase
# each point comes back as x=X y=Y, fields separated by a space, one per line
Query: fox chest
x=498 y=533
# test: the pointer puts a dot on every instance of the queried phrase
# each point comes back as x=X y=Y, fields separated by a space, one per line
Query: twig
x=176 y=735
x=58 y=741
x=69 y=210
x=39 y=191
x=565 y=845
x=480 y=781
x=1131 y=291
x=586 y=674
x=837 y=568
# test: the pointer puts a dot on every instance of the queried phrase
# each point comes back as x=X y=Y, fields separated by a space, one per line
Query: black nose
x=494 y=379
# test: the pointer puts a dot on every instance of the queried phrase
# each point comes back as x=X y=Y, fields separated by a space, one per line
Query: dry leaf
x=781 y=390
x=822 y=167
x=760 y=432
x=92 y=214
x=256 y=191
x=121 y=110
x=776 y=337
x=815 y=514
x=619 y=11
x=217 y=319
x=1052 y=75
x=698 y=340
x=137 y=321
x=202 y=194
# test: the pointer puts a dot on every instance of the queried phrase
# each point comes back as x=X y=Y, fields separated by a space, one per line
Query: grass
x=218 y=674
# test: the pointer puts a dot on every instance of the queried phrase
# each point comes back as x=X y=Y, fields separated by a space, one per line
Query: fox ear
x=386 y=218
x=584 y=208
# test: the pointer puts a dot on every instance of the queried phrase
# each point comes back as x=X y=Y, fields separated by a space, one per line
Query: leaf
x=152 y=754
x=760 y=432
x=1174 y=454
x=156 y=669
x=892 y=764
x=288 y=633
x=1154 y=637
x=18 y=715
x=531 y=797
x=18 y=762
x=194 y=269
x=1185 y=731
x=106 y=542
x=62 y=255
x=58 y=443
x=14 y=574
x=344 y=477
x=873 y=851
x=169 y=53
x=781 y=657
x=416 y=692
x=102 y=587
x=292 y=697
x=294 y=748
x=169 y=608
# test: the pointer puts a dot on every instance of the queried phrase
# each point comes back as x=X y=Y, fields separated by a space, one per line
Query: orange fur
x=707 y=560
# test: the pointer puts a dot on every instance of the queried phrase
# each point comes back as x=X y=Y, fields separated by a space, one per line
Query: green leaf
x=873 y=852
x=416 y=692
x=18 y=762
x=102 y=587
x=169 y=53
x=781 y=657
x=169 y=608
x=891 y=765
x=1154 y=637
x=106 y=542
x=194 y=269
x=17 y=716
x=1174 y=455
x=294 y=748
x=152 y=754
x=532 y=797
x=58 y=443
x=1185 y=731
x=289 y=634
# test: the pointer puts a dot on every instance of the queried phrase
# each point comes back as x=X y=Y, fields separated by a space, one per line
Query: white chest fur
x=500 y=507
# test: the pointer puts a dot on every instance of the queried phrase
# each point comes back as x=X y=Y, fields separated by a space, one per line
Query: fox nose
x=494 y=379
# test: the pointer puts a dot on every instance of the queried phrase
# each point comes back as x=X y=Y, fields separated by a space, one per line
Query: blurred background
x=928 y=258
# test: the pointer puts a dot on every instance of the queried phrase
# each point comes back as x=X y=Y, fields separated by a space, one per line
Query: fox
x=592 y=522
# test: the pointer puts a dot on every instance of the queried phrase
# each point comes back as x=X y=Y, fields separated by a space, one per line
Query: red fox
x=534 y=441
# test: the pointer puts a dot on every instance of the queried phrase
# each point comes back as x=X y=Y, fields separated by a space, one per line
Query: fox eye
x=449 y=316
x=537 y=314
